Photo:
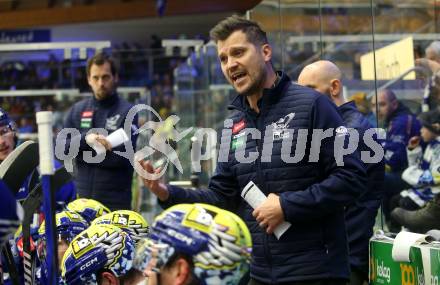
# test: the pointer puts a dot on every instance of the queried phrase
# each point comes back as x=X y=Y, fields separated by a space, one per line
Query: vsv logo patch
x=112 y=123
x=280 y=127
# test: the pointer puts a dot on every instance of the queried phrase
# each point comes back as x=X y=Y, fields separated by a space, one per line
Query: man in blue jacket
x=310 y=192
x=108 y=181
x=326 y=77
x=400 y=125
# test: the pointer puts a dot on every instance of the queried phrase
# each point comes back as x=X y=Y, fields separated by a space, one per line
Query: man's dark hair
x=225 y=28
x=390 y=95
x=100 y=59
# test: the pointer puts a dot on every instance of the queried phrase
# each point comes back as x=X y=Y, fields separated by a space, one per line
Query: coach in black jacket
x=310 y=192
x=109 y=181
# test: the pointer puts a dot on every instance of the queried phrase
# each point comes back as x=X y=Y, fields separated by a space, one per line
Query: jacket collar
x=270 y=95
x=112 y=99
x=401 y=110
x=350 y=105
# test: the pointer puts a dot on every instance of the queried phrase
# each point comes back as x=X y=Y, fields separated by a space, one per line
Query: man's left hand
x=269 y=214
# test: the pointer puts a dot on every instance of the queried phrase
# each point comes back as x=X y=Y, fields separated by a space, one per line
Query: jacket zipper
x=266 y=249
x=261 y=182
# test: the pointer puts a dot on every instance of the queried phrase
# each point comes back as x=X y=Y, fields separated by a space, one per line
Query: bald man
x=325 y=77
x=432 y=52
x=431 y=62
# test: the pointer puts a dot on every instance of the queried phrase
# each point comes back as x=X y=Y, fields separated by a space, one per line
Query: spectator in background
x=66 y=70
x=81 y=80
x=432 y=63
x=432 y=52
x=31 y=78
x=325 y=77
x=423 y=174
x=400 y=125
x=18 y=108
x=109 y=181
x=424 y=165
x=53 y=66
x=26 y=126
x=156 y=45
x=44 y=73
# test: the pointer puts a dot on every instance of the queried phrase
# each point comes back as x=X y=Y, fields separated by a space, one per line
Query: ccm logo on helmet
x=180 y=236
x=89 y=263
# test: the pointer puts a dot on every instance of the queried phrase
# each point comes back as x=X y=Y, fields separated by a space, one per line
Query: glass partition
x=193 y=87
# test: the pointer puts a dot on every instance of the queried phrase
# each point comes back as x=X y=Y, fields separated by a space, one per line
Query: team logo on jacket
x=86 y=119
x=112 y=123
x=341 y=131
x=238 y=139
x=280 y=127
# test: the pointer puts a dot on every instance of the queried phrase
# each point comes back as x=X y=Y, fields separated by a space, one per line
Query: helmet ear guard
x=86 y=265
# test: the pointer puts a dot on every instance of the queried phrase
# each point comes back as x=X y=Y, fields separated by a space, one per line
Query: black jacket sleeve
x=340 y=185
x=223 y=191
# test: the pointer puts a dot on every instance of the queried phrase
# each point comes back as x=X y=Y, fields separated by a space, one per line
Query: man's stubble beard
x=103 y=94
x=258 y=85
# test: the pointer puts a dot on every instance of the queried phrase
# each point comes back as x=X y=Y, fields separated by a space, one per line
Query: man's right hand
x=157 y=188
x=98 y=140
x=413 y=142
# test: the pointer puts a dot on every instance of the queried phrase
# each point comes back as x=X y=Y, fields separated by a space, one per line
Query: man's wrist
x=163 y=193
